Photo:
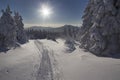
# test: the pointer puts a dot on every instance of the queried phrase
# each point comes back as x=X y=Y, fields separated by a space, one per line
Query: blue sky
x=64 y=11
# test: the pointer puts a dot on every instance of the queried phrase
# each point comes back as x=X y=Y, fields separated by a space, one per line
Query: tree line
x=66 y=32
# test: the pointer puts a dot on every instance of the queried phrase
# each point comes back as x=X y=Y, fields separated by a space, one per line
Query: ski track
x=48 y=69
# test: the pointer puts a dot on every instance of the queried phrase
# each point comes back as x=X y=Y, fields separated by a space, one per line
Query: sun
x=45 y=11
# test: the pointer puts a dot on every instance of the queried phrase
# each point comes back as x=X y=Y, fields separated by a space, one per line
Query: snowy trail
x=49 y=68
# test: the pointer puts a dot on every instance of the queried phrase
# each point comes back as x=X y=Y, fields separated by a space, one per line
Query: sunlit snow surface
x=48 y=60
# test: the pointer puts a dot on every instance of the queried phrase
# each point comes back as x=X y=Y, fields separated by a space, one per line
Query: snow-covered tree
x=21 y=35
x=11 y=30
x=7 y=29
x=100 y=32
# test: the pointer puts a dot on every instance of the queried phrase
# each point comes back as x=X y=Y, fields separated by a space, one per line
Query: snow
x=20 y=64
x=83 y=66
x=50 y=58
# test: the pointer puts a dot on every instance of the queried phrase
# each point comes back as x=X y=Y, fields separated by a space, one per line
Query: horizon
x=50 y=25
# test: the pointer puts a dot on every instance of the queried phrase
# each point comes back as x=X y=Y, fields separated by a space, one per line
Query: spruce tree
x=21 y=35
x=7 y=29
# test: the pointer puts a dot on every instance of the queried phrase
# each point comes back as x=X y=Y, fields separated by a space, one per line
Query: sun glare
x=45 y=11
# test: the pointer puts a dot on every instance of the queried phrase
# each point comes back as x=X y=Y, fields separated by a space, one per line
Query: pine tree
x=21 y=35
x=7 y=29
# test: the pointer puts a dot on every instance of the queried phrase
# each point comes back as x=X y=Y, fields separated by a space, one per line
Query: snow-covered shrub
x=70 y=45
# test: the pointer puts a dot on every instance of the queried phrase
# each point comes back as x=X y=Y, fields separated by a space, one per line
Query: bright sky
x=54 y=13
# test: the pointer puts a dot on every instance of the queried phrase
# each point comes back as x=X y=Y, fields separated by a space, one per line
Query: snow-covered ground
x=20 y=64
x=48 y=60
